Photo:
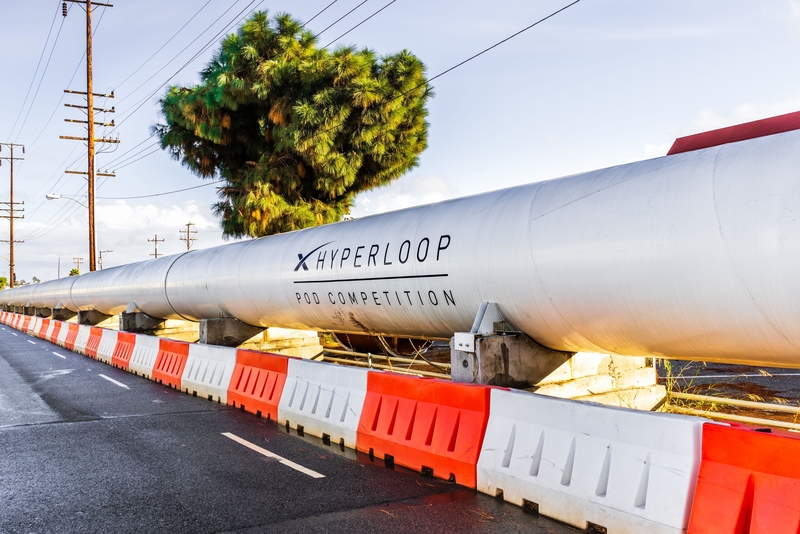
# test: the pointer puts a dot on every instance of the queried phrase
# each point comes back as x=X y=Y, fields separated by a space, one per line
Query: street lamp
x=101 y=257
x=53 y=196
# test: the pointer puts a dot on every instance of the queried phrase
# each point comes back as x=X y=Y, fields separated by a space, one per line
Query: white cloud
x=656 y=150
x=408 y=191
x=793 y=17
x=711 y=119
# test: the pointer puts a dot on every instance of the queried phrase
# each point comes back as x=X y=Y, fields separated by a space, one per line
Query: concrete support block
x=506 y=360
x=44 y=312
x=29 y=310
x=63 y=314
x=227 y=332
x=18 y=309
x=517 y=361
x=141 y=323
x=96 y=318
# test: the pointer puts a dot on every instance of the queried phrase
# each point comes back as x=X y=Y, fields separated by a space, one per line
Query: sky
x=602 y=83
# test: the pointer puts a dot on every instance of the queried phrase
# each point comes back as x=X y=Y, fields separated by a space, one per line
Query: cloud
x=408 y=191
x=793 y=17
x=711 y=119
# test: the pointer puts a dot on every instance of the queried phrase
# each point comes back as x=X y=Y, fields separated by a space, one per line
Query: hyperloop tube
x=693 y=255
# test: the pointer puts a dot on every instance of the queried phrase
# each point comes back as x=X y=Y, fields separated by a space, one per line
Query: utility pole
x=156 y=240
x=90 y=124
x=188 y=232
x=9 y=209
x=101 y=257
x=78 y=262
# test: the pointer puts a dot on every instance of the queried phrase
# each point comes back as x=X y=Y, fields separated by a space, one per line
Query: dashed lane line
x=31 y=342
x=120 y=384
x=268 y=454
x=59 y=355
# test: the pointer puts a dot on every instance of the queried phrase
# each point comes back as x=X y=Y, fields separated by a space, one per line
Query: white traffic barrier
x=33 y=325
x=108 y=342
x=50 y=329
x=62 y=334
x=581 y=463
x=143 y=357
x=83 y=337
x=324 y=399
x=208 y=371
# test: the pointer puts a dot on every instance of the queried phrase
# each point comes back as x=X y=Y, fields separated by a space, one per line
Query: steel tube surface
x=693 y=255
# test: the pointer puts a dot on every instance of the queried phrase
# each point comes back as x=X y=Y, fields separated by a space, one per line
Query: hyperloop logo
x=302 y=262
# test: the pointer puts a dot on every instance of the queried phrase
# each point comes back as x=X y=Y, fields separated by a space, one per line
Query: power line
x=162 y=46
x=181 y=52
x=523 y=30
x=334 y=23
x=163 y=193
x=324 y=9
x=33 y=79
x=77 y=67
x=41 y=79
x=360 y=23
x=137 y=159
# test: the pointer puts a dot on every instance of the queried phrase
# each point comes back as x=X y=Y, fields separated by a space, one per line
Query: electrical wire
x=179 y=53
x=33 y=79
x=77 y=67
x=162 y=46
x=165 y=192
x=334 y=23
x=41 y=79
x=360 y=23
x=324 y=9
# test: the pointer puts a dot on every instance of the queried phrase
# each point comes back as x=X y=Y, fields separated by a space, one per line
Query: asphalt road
x=88 y=448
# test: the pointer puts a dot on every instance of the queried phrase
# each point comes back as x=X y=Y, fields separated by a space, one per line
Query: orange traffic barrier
x=72 y=335
x=749 y=482
x=171 y=360
x=122 y=352
x=56 y=330
x=433 y=426
x=92 y=344
x=43 y=328
x=25 y=322
x=257 y=382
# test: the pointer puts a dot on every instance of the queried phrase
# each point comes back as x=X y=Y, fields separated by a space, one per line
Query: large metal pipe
x=694 y=255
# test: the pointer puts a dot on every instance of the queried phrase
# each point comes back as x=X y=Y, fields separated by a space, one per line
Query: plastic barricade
x=106 y=346
x=257 y=382
x=71 y=336
x=323 y=400
x=93 y=343
x=433 y=426
x=144 y=355
x=41 y=332
x=582 y=463
x=55 y=330
x=208 y=371
x=123 y=350
x=26 y=320
x=749 y=482
x=33 y=326
x=171 y=361
x=82 y=338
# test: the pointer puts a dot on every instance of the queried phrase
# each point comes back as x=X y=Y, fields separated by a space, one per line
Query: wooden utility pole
x=90 y=124
x=9 y=208
x=186 y=235
x=156 y=240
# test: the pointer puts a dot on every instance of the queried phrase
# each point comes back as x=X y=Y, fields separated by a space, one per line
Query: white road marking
x=31 y=342
x=268 y=454
x=59 y=355
x=13 y=334
x=120 y=384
